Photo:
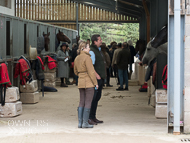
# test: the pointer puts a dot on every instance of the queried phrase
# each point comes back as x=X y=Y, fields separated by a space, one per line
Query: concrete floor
x=126 y=114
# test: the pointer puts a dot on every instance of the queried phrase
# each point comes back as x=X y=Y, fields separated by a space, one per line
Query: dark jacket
x=99 y=66
x=123 y=59
x=111 y=53
x=133 y=53
x=74 y=53
x=30 y=77
x=70 y=55
x=38 y=68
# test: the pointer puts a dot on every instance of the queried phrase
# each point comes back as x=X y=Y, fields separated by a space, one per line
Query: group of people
x=122 y=58
x=92 y=66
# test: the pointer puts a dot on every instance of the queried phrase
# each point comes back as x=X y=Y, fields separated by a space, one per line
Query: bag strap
x=4 y=94
x=1 y=92
x=2 y=98
x=42 y=85
x=164 y=78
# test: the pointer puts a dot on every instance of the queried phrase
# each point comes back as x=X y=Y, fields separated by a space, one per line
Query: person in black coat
x=74 y=55
x=133 y=53
x=123 y=60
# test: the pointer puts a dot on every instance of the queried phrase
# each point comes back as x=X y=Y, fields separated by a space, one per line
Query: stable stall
x=17 y=34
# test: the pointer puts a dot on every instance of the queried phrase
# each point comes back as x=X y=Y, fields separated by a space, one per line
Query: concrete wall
x=187 y=76
x=8 y=11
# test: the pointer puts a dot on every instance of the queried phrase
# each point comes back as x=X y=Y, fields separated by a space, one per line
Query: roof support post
x=147 y=20
x=177 y=61
x=77 y=18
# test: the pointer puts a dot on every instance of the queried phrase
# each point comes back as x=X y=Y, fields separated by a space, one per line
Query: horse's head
x=150 y=54
x=140 y=46
x=77 y=38
x=62 y=37
x=46 y=41
x=156 y=46
x=160 y=38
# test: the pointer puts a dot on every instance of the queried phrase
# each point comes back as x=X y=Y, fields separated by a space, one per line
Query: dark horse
x=43 y=42
x=76 y=40
x=46 y=41
x=60 y=36
x=140 y=47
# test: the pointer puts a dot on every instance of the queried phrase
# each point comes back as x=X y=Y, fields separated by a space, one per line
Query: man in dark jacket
x=123 y=59
x=112 y=50
x=70 y=60
x=74 y=55
x=100 y=71
x=133 y=53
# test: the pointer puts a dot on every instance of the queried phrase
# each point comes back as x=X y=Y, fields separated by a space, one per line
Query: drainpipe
x=177 y=73
x=77 y=18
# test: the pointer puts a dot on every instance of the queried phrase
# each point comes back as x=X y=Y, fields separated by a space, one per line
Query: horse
x=152 y=53
x=60 y=36
x=76 y=40
x=140 y=47
x=157 y=45
x=46 y=41
x=43 y=42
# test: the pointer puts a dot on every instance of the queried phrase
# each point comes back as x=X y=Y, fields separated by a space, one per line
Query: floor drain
x=185 y=140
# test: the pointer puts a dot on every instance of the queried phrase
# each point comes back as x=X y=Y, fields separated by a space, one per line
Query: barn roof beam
x=111 y=6
x=134 y=3
x=139 y=12
x=130 y=9
x=92 y=21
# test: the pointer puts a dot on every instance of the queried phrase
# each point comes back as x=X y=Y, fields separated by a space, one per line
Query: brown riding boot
x=73 y=82
x=91 y=122
x=97 y=121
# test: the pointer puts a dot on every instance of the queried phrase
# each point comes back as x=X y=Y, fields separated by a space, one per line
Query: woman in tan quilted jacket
x=87 y=81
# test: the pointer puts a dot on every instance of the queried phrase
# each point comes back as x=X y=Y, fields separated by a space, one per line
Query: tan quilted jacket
x=84 y=69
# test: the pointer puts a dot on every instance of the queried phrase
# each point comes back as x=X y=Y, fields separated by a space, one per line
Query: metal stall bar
x=175 y=70
x=77 y=18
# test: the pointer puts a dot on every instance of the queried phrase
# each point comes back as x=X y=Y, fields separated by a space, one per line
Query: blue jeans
x=123 y=74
